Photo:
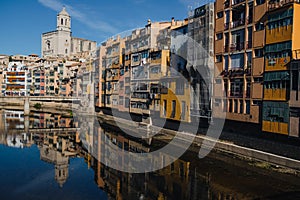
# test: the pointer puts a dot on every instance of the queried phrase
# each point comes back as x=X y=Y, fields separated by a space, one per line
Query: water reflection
x=215 y=177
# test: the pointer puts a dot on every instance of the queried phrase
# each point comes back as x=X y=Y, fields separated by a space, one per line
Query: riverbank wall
x=227 y=147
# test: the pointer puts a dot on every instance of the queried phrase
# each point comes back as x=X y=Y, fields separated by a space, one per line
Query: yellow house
x=282 y=40
x=175 y=99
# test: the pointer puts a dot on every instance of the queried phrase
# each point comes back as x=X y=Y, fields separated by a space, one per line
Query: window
x=258 y=79
x=258 y=53
x=226 y=63
x=218 y=58
x=220 y=14
x=230 y=105
x=165 y=108
x=278 y=47
x=241 y=106
x=218 y=81
x=259 y=26
x=219 y=36
x=237 y=61
x=155 y=70
x=247 y=107
x=183 y=105
x=236 y=88
x=62 y=21
x=295 y=80
x=235 y=106
x=256 y=103
x=259 y=2
x=173 y=109
x=179 y=87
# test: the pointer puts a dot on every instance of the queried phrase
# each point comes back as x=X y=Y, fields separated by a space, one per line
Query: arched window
x=62 y=21
x=66 y=51
x=66 y=22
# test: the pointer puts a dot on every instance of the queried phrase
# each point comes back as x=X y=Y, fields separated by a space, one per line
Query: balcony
x=273 y=4
x=237 y=47
x=236 y=94
x=279 y=34
x=219 y=5
x=258 y=38
x=219 y=25
x=275 y=94
x=258 y=66
x=257 y=90
x=277 y=63
x=259 y=11
x=249 y=20
x=237 y=23
x=248 y=44
x=226 y=26
x=219 y=46
x=236 y=72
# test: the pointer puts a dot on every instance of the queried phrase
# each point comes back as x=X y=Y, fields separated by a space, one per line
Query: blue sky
x=23 y=21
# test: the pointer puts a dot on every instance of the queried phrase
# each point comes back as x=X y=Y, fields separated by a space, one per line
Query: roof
x=64 y=12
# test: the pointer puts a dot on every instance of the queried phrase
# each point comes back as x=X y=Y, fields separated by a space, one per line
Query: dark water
x=66 y=165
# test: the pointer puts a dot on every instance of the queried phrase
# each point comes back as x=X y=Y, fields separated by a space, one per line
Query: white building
x=60 y=43
x=15 y=80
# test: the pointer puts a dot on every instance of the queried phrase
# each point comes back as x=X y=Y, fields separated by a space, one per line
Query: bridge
x=25 y=100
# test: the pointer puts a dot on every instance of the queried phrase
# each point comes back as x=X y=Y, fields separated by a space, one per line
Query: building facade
x=239 y=41
x=281 y=49
x=60 y=43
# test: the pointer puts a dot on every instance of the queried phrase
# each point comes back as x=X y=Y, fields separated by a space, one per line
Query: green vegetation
x=37 y=106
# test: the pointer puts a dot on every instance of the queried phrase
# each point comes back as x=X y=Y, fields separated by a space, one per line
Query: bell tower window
x=62 y=21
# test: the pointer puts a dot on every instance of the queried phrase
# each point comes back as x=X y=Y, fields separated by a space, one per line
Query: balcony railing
x=249 y=19
x=278 y=3
x=237 y=23
x=226 y=26
x=248 y=44
x=237 y=47
x=238 y=94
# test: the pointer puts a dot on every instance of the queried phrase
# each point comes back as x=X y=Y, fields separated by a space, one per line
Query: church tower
x=63 y=21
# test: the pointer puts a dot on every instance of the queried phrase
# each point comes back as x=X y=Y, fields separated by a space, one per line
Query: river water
x=48 y=163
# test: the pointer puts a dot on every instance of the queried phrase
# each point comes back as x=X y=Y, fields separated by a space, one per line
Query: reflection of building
x=61 y=163
x=50 y=120
x=57 y=149
x=14 y=119
x=176 y=181
x=61 y=43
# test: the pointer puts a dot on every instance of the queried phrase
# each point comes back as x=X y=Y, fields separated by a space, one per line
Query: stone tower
x=63 y=21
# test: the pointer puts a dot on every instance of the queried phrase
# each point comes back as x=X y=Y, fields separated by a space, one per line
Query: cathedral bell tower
x=63 y=21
